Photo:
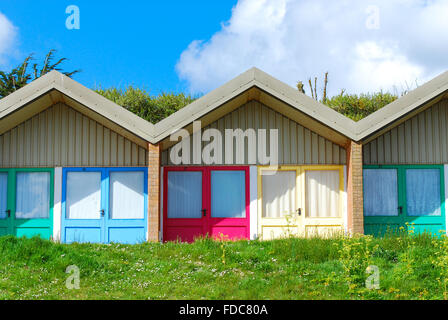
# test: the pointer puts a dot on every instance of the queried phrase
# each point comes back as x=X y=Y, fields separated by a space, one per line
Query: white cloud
x=8 y=34
x=297 y=39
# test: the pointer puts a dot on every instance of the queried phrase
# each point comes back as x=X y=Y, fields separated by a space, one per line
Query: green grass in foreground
x=411 y=267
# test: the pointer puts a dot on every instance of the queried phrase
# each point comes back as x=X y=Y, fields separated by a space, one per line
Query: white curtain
x=83 y=195
x=127 y=198
x=228 y=194
x=322 y=193
x=279 y=194
x=33 y=195
x=423 y=192
x=3 y=194
x=380 y=192
x=184 y=194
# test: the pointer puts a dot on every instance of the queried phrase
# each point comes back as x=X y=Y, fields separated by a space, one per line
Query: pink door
x=206 y=201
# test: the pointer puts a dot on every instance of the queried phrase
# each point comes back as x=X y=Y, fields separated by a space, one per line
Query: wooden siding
x=297 y=144
x=422 y=139
x=61 y=136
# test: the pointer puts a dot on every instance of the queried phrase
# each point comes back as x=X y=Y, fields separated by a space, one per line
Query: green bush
x=152 y=108
x=356 y=106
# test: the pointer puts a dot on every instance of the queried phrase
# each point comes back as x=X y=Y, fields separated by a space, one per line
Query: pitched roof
x=252 y=84
x=255 y=78
x=405 y=105
x=47 y=89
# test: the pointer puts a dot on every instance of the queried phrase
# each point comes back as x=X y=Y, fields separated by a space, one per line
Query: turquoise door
x=103 y=205
x=407 y=196
x=26 y=202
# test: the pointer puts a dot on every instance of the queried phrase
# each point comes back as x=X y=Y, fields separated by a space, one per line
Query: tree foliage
x=21 y=75
x=149 y=107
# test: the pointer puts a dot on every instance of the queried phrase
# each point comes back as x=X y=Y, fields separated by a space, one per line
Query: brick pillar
x=154 y=155
x=355 y=203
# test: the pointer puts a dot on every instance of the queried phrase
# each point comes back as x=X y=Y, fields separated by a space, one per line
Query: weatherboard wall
x=422 y=139
x=296 y=143
x=62 y=136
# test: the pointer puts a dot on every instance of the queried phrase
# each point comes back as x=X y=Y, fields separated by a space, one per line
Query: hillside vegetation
x=410 y=267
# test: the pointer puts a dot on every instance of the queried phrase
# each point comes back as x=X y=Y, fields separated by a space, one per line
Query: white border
x=57 y=204
x=161 y=205
x=345 y=201
x=253 y=188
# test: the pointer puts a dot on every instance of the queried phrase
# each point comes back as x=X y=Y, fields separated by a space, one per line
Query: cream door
x=322 y=200
x=300 y=201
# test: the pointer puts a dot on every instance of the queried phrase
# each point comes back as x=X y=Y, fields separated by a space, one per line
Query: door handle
x=102 y=212
x=9 y=213
x=204 y=212
x=299 y=211
x=400 y=209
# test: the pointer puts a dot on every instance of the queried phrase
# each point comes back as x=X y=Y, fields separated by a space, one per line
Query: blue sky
x=197 y=45
x=138 y=42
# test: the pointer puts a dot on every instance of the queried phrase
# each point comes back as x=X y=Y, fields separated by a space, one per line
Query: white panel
x=83 y=195
x=161 y=207
x=33 y=195
x=57 y=207
x=278 y=194
x=322 y=193
x=127 y=199
x=380 y=192
x=184 y=194
x=423 y=192
x=3 y=194
x=345 y=201
x=253 y=189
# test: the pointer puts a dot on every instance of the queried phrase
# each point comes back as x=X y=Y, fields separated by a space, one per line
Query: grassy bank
x=410 y=267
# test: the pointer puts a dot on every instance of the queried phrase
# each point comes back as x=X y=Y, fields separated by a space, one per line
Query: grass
x=411 y=267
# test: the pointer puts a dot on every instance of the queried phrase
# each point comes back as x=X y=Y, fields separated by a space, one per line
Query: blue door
x=103 y=205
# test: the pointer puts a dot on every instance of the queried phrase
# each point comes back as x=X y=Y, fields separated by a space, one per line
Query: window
x=423 y=192
x=33 y=195
x=322 y=193
x=278 y=193
x=184 y=194
x=380 y=192
x=127 y=199
x=228 y=194
x=83 y=195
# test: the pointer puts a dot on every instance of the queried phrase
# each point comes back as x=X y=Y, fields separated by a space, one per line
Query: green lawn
x=411 y=267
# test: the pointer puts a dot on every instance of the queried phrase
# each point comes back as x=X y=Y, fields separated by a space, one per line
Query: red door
x=206 y=201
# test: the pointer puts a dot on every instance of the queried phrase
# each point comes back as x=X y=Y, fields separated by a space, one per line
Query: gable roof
x=402 y=108
x=266 y=87
x=252 y=84
x=54 y=87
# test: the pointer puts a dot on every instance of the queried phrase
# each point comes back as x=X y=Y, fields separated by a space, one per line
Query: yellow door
x=300 y=201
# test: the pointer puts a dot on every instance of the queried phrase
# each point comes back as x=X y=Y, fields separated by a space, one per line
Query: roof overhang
x=253 y=84
x=55 y=87
x=402 y=109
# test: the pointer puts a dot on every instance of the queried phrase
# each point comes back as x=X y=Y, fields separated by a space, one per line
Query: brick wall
x=355 y=203
x=154 y=157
